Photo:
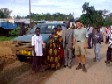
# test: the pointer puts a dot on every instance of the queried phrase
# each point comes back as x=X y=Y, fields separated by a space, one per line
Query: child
x=37 y=50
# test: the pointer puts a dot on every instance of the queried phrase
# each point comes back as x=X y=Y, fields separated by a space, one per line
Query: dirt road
x=98 y=73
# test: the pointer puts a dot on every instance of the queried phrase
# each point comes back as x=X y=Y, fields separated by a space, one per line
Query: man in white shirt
x=37 y=50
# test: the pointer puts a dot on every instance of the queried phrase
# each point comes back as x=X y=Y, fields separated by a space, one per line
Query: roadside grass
x=6 y=38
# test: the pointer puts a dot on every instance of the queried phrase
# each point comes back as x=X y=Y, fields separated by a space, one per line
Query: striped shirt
x=110 y=39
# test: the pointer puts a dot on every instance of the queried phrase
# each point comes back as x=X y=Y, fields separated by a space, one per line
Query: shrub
x=14 y=32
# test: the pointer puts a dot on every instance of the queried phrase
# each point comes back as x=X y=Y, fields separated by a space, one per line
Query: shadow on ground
x=23 y=74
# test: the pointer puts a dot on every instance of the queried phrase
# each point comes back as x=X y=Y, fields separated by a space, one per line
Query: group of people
x=105 y=32
x=59 y=48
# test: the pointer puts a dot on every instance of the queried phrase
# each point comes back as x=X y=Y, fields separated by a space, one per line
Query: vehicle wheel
x=1 y=66
x=29 y=60
x=22 y=58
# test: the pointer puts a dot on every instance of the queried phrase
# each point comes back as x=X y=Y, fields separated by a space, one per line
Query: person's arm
x=74 y=40
x=33 y=46
x=92 y=38
x=86 y=41
x=100 y=37
x=43 y=43
x=105 y=32
x=63 y=36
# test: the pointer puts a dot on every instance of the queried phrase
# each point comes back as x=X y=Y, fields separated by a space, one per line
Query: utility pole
x=30 y=10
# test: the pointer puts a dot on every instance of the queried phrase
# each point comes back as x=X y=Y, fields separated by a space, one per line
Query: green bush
x=14 y=32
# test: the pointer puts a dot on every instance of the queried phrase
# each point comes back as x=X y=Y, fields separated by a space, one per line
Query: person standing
x=54 y=51
x=37 y=44
x=109 y=50
x=80 y=43
x=97 y=37
x=106 y=33
x=67 y=44
x=60 y=43
x=89 y=31
x=22 y=30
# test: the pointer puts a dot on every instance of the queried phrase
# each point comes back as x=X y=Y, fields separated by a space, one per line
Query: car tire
x=22 y=58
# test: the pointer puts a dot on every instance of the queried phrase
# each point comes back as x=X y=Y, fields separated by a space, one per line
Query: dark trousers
x=107 y=39
x=73 y=52
x=37 y=63
x=89 y=41
x=109 y=53
x=44 y=57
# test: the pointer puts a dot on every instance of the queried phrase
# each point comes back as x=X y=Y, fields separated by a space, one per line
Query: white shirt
x=37 y=43
x=89 y=30
x=102 y=30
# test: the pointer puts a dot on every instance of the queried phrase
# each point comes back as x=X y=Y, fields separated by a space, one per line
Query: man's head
x=78 y=24
x=37 y=31
x=97 y=28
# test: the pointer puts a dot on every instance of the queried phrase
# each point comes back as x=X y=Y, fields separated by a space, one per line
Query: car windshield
x=45 y=28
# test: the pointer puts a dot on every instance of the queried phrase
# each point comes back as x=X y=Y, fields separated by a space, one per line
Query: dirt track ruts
x=98 y=73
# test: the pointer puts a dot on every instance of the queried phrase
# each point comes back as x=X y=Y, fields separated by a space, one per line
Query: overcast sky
x=21 y=7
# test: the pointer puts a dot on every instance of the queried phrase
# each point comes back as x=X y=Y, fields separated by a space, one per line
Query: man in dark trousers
x=37 y=44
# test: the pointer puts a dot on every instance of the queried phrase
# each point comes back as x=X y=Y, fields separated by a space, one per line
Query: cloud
x=46 y=6
x=21 y=7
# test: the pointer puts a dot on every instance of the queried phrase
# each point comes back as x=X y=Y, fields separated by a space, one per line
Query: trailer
x=6 y=27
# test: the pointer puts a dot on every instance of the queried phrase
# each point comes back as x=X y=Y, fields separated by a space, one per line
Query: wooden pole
x=30 y=10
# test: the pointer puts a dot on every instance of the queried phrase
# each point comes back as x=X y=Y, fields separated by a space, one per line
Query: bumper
x=24 y=52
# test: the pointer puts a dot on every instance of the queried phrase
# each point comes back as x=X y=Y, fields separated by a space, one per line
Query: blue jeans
x=97 y=51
